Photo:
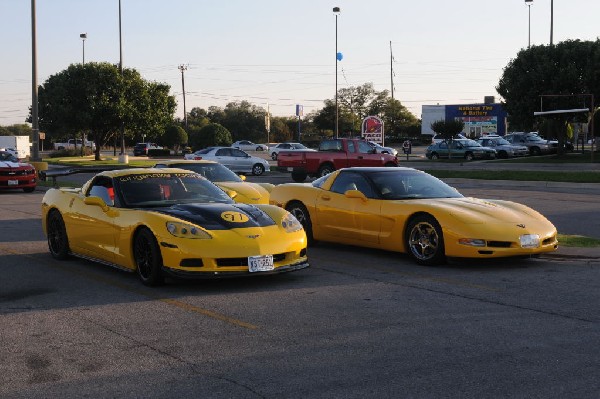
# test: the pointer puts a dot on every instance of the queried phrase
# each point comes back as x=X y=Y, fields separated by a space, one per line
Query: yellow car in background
x=407 y=210
x=249 y=193
x=169 y=222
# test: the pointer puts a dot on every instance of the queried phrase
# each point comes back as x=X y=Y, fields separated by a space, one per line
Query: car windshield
x=214 y=172
x=8 y=157
x=204 y=150
x=410 y=184
x=501 y=141
x=166 y=189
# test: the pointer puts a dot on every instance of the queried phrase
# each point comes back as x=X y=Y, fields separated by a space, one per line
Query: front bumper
x=211 y=274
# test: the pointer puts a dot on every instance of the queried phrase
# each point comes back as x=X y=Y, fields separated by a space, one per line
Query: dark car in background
x=463 y=148
x=142 y=148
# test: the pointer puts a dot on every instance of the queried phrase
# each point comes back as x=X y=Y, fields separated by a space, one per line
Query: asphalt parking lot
x=357 y=323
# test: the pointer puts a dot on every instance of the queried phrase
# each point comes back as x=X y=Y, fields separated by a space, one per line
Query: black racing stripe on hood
x=209 y=216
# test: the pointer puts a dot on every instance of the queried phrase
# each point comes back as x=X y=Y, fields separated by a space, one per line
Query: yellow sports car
x=407 y=210
x=169 y=222
x=222 y=176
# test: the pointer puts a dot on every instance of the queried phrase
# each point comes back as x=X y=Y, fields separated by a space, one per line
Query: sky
x=278 y=53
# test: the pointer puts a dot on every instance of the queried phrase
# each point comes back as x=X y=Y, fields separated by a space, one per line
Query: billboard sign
x=372 y=129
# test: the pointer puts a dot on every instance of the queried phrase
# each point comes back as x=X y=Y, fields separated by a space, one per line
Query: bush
x=158 y=152
x=71 y=152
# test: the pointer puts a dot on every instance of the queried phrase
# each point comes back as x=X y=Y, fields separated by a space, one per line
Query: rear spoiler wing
x=44 y=175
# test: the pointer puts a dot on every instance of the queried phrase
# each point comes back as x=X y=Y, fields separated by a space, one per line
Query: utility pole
x=183 y=68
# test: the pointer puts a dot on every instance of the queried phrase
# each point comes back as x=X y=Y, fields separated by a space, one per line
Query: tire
x=274 y=156
x=535 y=151
x=502 y=154
x=300 y=212
x=469 y=156
x=425 y=240
x=148 y=259
x=259 y=149
x=435 y=156
x=299 y=177
x=29 y=189
x=58 y=241
x=326 y=169
x=258 y=169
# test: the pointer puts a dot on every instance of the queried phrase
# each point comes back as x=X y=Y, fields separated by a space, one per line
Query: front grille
x=499 y=244
x=22 y=172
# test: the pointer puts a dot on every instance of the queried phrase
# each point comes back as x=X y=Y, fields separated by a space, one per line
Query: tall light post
x=83 y=36
x=528 y=2
x=122 y=157
x=34 y=88
x=551 y=20
x=336 y=11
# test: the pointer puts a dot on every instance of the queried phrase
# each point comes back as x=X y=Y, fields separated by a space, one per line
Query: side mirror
x=231 y=193
x=96 y=201
x=355 y=194
x=243 y=177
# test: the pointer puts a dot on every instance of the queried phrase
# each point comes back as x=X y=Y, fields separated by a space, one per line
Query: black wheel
x=435 y=156
x=58 y=242
x=274 y=156
x=147 y=258
x=299 y=177
x=29 y=189
x=535 y=151
x=301 y=213
x=325 y=169
x=259 y=148
x=258 y=169
x=469 y=156
x=425 y=241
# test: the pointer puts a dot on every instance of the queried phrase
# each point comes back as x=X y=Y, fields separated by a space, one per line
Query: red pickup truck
x=332 y=155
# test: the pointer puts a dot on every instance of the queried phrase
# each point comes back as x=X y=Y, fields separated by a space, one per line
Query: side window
x=352 y=181
x=102 y=187
x=351 y=147
x=364 y=147
x=443 y=145
x=223 y=152
x=237 y=153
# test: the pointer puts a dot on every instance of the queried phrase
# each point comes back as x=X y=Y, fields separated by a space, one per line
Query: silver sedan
x=236 y=160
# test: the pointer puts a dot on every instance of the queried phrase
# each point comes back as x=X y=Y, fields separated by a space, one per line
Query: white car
x=383 y=150
x=287 y=147
x=438 y=138
x=246 y=145
x=235 y=159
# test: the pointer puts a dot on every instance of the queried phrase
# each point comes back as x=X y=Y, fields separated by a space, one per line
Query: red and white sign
x=372 y=129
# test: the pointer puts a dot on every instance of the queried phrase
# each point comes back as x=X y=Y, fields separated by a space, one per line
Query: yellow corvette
x=407 y=210
x=169 y=221
x=222 y=176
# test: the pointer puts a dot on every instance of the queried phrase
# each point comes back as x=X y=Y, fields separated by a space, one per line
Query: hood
x=219 y=216
x=14 y=165
x=479 y=211
x=247 y=192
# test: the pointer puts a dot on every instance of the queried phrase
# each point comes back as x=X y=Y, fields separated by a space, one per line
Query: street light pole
x=336 y=10
x=34 y=88
x=528 y=2
x=122 y=157
x=83 y=36
x=551 y=20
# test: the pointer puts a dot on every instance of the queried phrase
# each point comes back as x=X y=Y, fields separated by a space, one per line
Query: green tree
x=96 y=98
x=557 y=72
x=212 y=134
x=175 y=136
x=280 y=129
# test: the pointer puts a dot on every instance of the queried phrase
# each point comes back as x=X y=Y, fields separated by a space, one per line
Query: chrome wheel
x=425 y=242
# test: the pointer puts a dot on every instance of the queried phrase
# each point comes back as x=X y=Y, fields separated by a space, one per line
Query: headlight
x=290 y=223
x=529 y=240
x=184 y=230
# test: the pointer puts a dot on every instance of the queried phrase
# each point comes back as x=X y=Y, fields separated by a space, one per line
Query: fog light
x=529 y=241
x=473 y=242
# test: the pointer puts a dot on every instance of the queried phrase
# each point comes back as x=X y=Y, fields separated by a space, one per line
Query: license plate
x=13 y=182
x=260 y=263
